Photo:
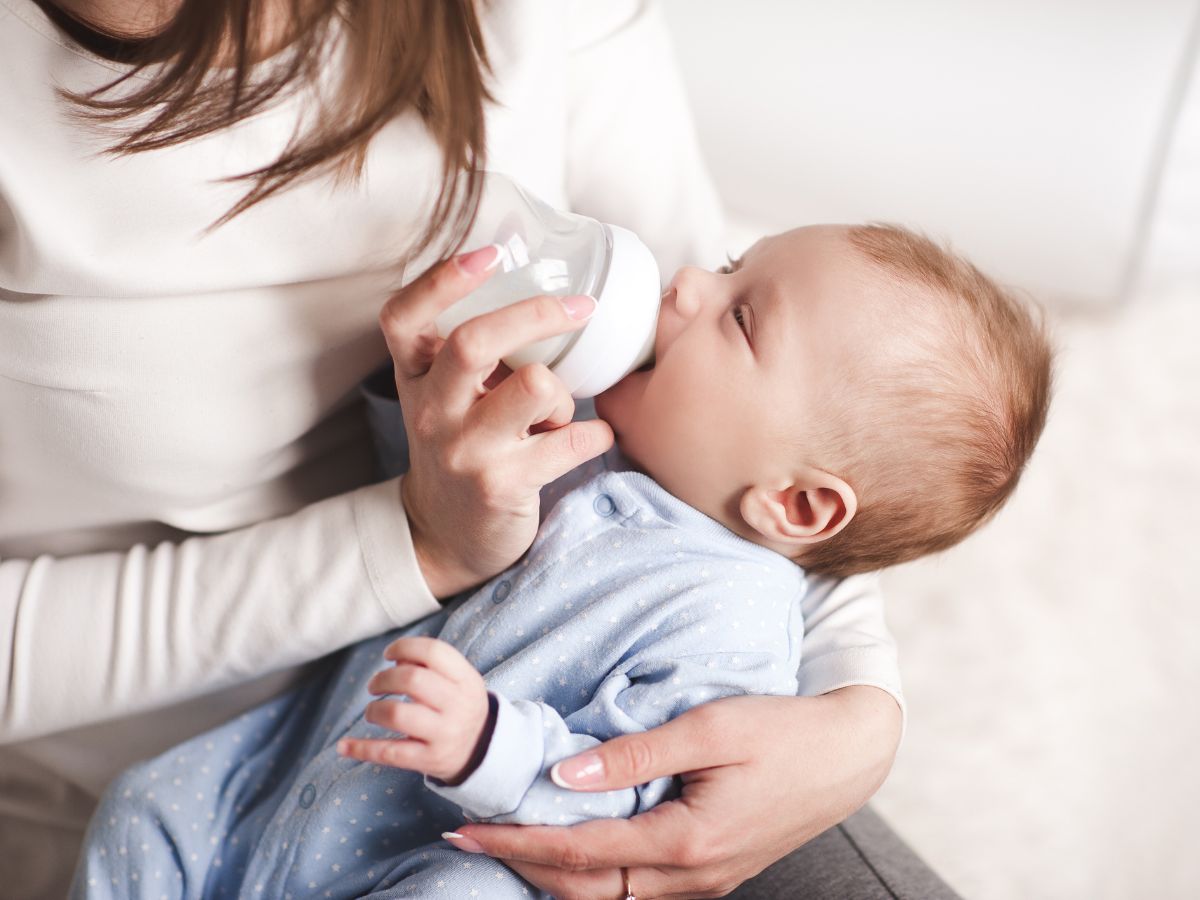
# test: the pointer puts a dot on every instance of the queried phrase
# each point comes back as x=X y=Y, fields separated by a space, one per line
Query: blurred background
x=1052 y=662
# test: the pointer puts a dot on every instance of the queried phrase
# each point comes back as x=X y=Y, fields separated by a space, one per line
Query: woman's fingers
x=498 y=375
x=473 y=349
x=647 y=883
x=668 y=832
x=555 y=452
x=600 y=883
x=531 y=395
x=471 y=497
x=681 y=848
x=407 y=319
x=690 y=741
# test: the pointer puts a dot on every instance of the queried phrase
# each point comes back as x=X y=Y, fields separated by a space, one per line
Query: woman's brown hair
x=426 y=56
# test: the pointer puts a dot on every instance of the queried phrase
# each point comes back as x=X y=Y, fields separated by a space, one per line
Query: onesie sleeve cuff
x=388 y=554
x=514 y=759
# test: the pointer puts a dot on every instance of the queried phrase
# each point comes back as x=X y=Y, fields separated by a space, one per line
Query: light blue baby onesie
x=629 y=608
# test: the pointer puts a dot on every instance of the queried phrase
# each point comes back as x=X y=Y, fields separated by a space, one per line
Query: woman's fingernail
x=343 y=747
x=582 y=770
x=578 y=307
x=462 y=842
x=478 y=261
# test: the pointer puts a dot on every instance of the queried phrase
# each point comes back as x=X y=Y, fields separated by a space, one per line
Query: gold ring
x=628 y=886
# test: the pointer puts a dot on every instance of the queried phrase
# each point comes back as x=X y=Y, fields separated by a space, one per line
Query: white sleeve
x=106 y=634
x=846 y=640
x=632 y=154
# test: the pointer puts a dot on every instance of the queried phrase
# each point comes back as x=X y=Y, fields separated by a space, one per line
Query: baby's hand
x=444 y=720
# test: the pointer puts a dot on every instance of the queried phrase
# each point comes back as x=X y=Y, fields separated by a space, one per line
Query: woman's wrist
x=875 y=718
x=439 y=578
x=430 y=571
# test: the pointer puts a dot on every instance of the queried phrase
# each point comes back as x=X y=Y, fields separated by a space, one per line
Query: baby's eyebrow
x=732 y=266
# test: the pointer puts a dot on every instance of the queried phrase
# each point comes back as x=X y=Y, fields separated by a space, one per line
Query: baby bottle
x=546 y=251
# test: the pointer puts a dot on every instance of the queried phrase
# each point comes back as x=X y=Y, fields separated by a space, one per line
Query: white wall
x=1170 y=263
x=1028 y=132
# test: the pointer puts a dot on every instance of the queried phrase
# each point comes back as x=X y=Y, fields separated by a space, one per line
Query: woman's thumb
x=631 y=759
x=577 y=442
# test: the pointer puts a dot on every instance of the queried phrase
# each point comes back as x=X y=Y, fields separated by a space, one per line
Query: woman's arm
x=105 y=634
x=96 y=636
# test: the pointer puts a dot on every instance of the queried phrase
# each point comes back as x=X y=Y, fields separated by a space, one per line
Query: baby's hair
x=946 y=416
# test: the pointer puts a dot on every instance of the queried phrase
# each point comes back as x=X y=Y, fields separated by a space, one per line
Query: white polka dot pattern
x=629 y=608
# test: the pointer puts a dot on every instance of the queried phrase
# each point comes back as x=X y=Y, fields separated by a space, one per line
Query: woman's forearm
x=101 y=635
x=872 y=719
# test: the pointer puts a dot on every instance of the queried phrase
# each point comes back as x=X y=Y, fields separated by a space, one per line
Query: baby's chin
x=621 y=407
x=621 y=403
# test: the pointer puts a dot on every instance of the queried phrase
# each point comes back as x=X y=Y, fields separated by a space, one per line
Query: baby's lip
x=656 y=353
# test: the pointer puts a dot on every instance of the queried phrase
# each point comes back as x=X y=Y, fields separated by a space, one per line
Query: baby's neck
x=727 y=513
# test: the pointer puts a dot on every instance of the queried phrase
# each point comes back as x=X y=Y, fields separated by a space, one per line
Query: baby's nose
x=686 y=300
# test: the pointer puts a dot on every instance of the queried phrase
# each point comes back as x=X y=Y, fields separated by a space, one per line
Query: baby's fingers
x=423 y=685
x=411 y=755
x=433 y=654
x=410 y=719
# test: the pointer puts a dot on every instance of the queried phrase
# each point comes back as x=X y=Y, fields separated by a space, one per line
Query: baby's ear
x=812 y=508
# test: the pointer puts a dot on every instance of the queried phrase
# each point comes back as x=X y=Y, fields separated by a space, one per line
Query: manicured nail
x=578 y=307
x=462 y=842
x=343 y=747
x=479 y=261
x=582 y=770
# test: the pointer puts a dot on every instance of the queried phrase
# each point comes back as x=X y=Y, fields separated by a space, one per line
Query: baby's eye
x=739 y=317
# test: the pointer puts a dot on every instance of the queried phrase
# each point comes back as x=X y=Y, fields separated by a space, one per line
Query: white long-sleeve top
x=181 y=449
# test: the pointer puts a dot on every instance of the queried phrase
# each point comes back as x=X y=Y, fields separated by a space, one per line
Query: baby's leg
x=441 y=871
x=136 y=845
x=183 y=824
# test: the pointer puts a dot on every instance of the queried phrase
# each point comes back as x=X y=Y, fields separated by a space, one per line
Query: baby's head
x=851 y=397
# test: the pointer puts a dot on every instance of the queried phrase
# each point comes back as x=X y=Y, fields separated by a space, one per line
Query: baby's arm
x=515 y=783
x=500 y=769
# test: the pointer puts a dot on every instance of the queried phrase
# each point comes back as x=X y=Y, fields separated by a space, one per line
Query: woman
x=182 y=455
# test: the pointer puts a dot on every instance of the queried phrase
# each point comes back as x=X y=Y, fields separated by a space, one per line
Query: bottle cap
x=619 y=337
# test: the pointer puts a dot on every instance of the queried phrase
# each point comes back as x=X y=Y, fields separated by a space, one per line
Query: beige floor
x=1052 y=662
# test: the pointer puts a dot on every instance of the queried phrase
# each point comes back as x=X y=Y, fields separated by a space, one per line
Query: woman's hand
x=481 y=446
x=762 y=775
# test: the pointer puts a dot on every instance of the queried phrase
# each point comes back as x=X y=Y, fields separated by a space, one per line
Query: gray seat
x=861 y=859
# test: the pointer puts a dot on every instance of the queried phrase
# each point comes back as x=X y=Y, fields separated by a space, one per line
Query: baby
x=836 y=401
